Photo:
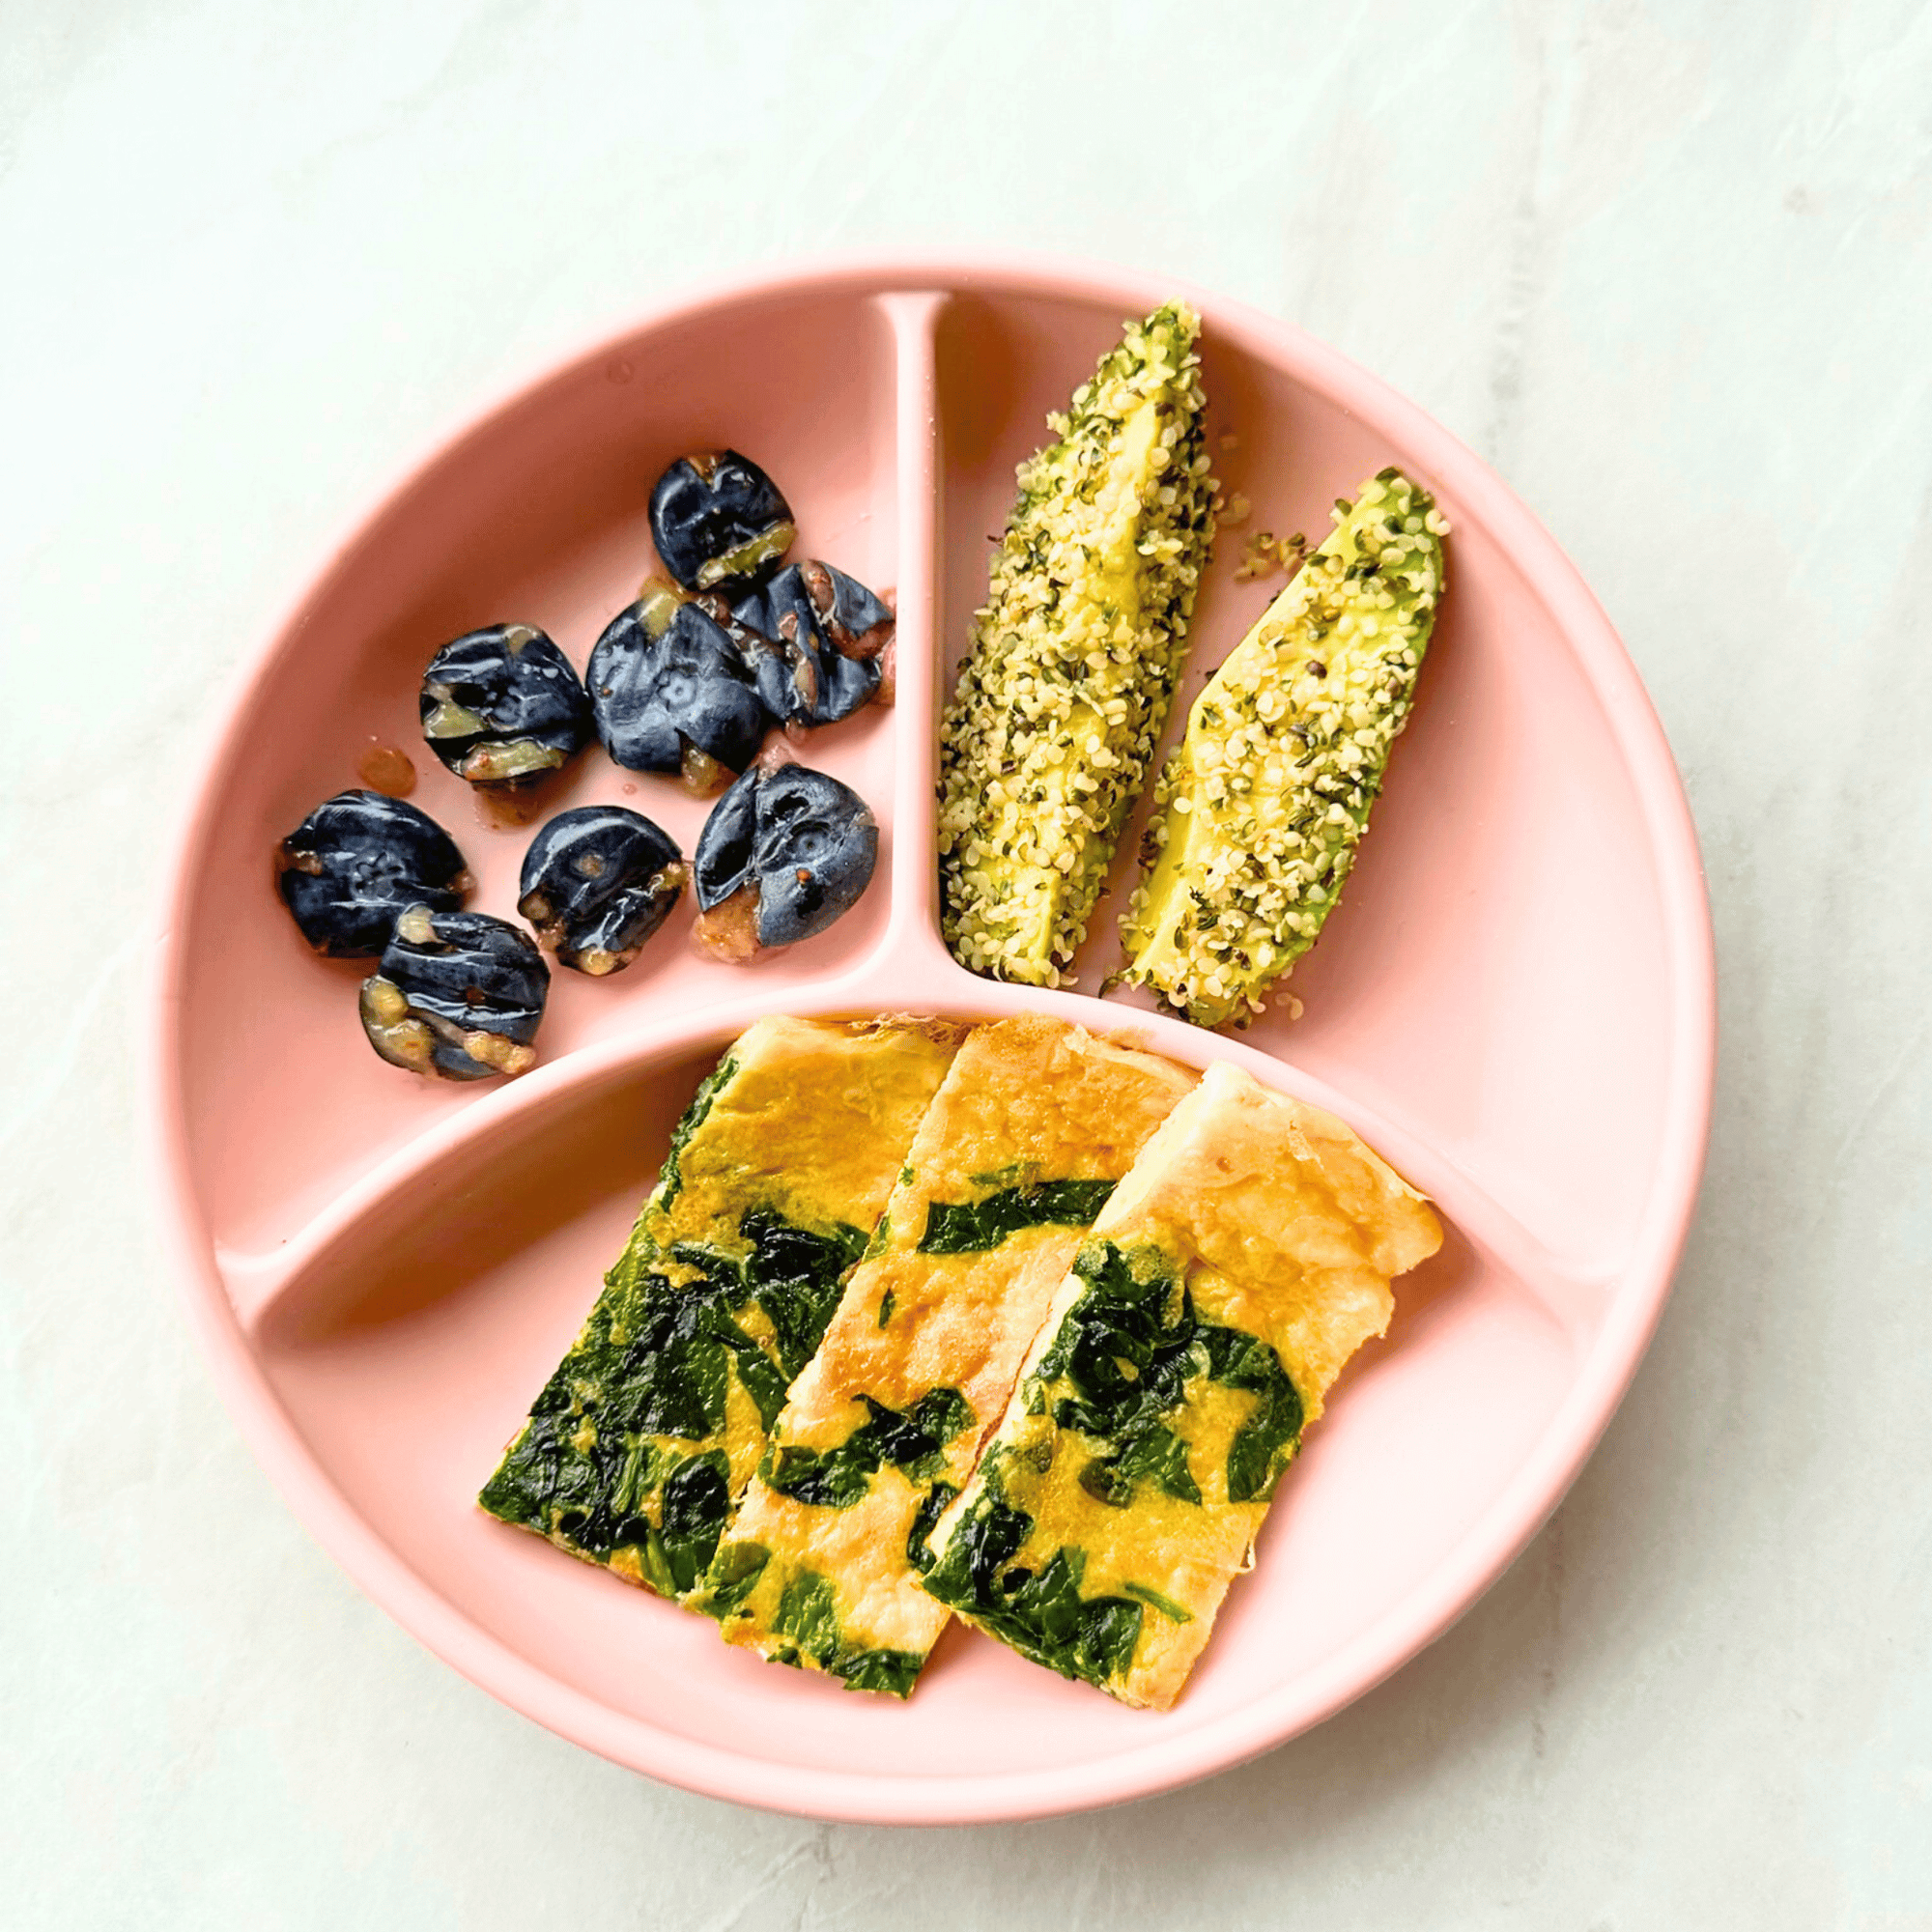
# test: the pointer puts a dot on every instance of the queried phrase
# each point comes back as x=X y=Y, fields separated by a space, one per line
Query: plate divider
x=912 y=941
x=258 y=1281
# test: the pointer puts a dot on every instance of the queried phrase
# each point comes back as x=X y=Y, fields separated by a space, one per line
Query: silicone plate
x=1513 y=1003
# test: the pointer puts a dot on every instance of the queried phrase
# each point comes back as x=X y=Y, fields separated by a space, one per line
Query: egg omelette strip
x=1230 y=1276
x=1035 y=1123
x=775 y=1180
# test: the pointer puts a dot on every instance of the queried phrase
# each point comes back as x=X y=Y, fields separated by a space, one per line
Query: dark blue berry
x=672 y=693
x=458 y=994
x=786 y=852
x=815 y=641
x=597 y=882
x=355 y=861
x=504 y=706
x=719 y=521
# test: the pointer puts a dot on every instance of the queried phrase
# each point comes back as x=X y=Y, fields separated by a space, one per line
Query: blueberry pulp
x=718 y=520
x=355 y=861
x=784 y=852
x=457 y=994
x=504 y=706
x=812 y=639
x=597 y=882
x=666 y=682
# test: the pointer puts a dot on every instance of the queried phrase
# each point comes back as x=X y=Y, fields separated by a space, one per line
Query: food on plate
x=1034 y=1124
x=816 y=642
x=672 y=693
x=718 y=520
x=1261 y=806
x=786 y=852
x=596 y=882
x=687 y=680
x=1266 y=555
x=1232 y=1273
x=503 y=707
x=456 y=994
x=1061 y=702
x=355 y=861
x=775 y=1180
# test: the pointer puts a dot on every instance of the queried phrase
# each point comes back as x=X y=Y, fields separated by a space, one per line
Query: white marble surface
x=1669 y=267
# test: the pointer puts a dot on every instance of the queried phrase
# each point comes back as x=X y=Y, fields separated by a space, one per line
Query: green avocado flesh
x=1064 y=696
x=1264 y=804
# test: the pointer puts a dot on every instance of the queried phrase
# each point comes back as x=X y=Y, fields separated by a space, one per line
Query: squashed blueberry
x=355 y=861
x=504 y=706
x=816 y=642
x=458 y=994
x=672 y=694
x=785 y=851
x=597 y=882
x=719 y=521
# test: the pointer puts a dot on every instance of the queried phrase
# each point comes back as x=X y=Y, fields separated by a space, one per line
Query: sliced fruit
x=1261 y=806
x=1046 y=741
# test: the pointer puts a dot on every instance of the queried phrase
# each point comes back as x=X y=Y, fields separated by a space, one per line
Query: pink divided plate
x=1512 y=1003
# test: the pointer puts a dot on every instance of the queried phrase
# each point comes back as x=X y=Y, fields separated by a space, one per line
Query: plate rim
x=1516 y=1513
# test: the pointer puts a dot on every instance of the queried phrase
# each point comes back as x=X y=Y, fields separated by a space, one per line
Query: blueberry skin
x=813 y=637
x=799 y=841
x=355 y=861
x=718 y=520
x=597 y=882
x=458 y=994
x=504 y=706
x=664 y=676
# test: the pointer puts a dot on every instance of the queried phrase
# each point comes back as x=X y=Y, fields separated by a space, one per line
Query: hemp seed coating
x=1260 y=807
x=1061 y=704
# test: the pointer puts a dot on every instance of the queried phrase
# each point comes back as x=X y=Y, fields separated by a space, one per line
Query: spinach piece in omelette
x=808 y=1615
x=671 y=1180
x=1154 y=1455
x=1116 y=1374
x=655 y=1361
x=1265 y=1443
x=892 y=1671
x=970 y=1227
x=1126 y=1356
x=734 y=1575
x=838 y=1477
x=792 y=1273
x=1166 y=1605
x=1040 y=1612
x=919 y=1537
x=696 y=1499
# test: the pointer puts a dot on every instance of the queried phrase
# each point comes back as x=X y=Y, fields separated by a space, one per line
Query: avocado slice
x=1261 y=806
x=1065 y=695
